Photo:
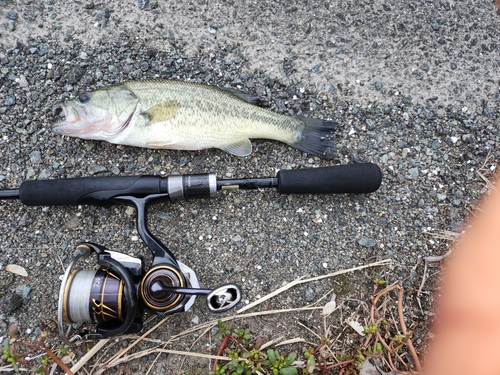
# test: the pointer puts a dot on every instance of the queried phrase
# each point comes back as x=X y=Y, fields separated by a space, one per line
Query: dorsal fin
x=246 y=97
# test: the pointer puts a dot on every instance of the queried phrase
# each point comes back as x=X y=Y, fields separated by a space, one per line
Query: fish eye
x=84 y=98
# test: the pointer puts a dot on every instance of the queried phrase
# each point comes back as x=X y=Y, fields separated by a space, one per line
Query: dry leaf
x=14 y=268
x=13 y=329
x=330 y=306
x=258 y=342
x=369 y=368
x=66 y=359
x=356 y=326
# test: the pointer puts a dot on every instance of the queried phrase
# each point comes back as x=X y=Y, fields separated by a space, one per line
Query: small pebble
x=24 y=291
x=309 y=295
x=367 y=242
x=12 y=15
x=9 y=100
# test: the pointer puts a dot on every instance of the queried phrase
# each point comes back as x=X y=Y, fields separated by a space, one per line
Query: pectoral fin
x=243 y=147
x=161 y=112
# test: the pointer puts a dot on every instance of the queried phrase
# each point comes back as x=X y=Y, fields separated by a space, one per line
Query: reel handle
x=222 y=298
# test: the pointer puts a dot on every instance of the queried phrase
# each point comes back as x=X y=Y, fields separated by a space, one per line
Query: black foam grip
x=352 y=178
x=86 y=190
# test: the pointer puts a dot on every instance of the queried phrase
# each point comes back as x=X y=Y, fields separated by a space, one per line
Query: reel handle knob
x=224 y=298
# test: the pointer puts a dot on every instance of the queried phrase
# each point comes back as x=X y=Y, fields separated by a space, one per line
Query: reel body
x=114 y=295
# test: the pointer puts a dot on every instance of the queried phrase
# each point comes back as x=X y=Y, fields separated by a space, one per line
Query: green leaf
x=311 y=364
x=288 y=371
x=272 y=356
x=63 y=349
x=277 y=354
x=291 y=357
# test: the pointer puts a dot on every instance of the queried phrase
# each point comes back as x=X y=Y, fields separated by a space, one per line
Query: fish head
x=99 y=114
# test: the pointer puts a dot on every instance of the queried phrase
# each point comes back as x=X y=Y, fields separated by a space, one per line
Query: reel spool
x=93 y=296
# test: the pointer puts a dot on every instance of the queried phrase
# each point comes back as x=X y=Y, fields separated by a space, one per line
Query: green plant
x=198 y=371
x=13 y=356
x=9 y=354
x=310 y=361
x=279 y=364
x=223 y=330
x=370 y=329
x=360 y=358
x=245 y=356
x=398 y=339
x=243 y=335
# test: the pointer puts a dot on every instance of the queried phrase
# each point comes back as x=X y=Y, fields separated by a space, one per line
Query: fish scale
x=218 y=105
x=170 y=114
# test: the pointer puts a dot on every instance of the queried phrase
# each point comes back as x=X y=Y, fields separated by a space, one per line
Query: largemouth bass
x=179 y=115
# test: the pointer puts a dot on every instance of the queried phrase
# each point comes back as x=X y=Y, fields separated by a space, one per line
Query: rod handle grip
x=352 y=178
x=86 y=190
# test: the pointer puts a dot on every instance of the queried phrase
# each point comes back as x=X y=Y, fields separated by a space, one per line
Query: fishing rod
x=355 y=178
x=114 y=296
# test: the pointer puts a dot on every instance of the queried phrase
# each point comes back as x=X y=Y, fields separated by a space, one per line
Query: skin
x=467 y=330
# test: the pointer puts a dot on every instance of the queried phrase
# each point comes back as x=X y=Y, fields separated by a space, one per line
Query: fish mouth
x=71 y=125
x=77 y=124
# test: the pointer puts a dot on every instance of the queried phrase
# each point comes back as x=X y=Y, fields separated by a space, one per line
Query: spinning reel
x=114 y=295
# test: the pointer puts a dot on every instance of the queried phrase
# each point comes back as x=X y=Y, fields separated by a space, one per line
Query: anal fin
x=163 y=144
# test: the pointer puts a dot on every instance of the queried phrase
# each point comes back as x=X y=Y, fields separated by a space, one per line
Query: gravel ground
x=413 y=85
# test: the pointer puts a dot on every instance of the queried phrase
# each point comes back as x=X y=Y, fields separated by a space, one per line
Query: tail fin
x=317 y=137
